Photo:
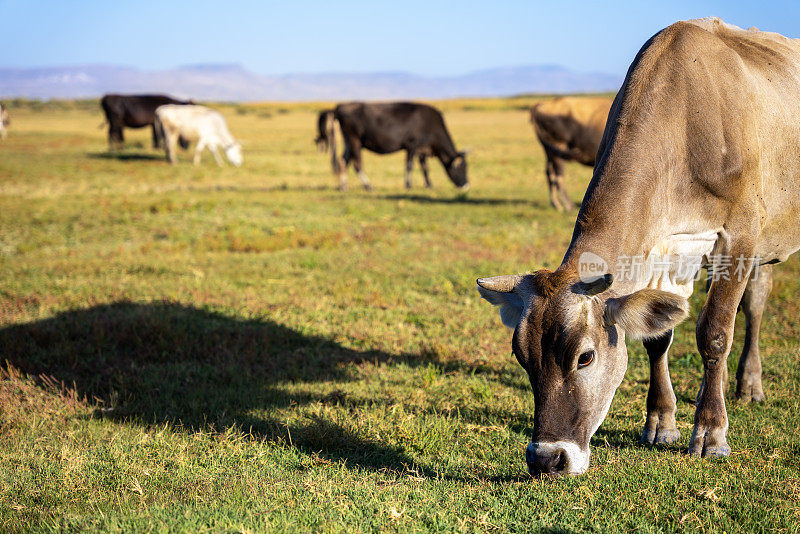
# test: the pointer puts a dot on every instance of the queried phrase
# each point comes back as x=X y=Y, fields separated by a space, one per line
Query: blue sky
x=425 y=37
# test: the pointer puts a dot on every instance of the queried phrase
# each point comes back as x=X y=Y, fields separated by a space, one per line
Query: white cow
x=3 y=121
x=197 y=123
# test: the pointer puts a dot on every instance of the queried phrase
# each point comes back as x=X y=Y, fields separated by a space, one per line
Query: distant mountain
x=233 y=82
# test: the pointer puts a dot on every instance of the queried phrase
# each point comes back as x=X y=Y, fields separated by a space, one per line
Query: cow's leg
x=562 y=190
x=748 y=373
x=423 y=164
x=156 y=138
x=660 y=427
x=409 y=167
x=714 y=338
x=356 y=153
x=347 y=156
x=171 y=148
x=115 y=137
x=552 y=181
x=214 y=149
x=198 y=149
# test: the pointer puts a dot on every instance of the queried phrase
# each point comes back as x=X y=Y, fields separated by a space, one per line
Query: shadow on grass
x=127 y=156
x=461 y=198
x=201 y=370
x=630 y=439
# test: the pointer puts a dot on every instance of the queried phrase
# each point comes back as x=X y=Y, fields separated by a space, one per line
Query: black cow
x=134 y=111
x=384 y=128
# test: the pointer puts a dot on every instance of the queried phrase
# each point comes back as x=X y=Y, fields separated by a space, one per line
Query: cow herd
x=696 y=164
x=569 y=129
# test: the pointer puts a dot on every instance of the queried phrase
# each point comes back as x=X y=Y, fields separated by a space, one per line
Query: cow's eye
x=586 y=358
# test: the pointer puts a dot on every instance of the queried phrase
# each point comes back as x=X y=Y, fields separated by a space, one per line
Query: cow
x=134 y=111
x=384 y=128
x=197 y=123
x=570 y=129
x=3 y=121
x=699 y=159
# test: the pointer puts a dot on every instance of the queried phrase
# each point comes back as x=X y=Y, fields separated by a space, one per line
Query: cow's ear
x=509 y=293
x=647 y=313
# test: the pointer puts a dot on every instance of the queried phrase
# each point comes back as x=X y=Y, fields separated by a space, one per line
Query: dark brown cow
x=570 y=129
x=700 y=161
x=384 y=128
x=134 y=111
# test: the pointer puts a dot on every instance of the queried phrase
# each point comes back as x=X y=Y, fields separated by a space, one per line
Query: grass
x=246 y=350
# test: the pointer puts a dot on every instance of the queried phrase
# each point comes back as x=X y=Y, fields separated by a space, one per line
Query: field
x=245 y=350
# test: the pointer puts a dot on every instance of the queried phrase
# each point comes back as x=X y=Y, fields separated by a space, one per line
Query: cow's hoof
x=750 y=392
x=660 y=436
x=704 y=445
x=367 y=187
x=720 y=451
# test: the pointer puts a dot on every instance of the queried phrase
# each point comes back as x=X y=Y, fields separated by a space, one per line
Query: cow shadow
x=462 y=199
x=200 y=370
x=127 y=156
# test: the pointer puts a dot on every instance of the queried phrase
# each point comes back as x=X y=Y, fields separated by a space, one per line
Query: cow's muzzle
x=556 y=458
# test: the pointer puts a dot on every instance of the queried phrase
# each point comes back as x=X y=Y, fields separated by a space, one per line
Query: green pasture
x=206 y=349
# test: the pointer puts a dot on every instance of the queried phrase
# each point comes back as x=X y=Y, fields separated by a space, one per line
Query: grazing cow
x=197 y=123
x=384 y=128
x=699 y=159
x=3 y=121
x=134 y=111
x=570 y=129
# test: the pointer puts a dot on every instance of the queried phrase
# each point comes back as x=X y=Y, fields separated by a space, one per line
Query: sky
x=434 y=38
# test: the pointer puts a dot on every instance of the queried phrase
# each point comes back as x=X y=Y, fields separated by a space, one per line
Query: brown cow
x=570 y=129
x=699 y=159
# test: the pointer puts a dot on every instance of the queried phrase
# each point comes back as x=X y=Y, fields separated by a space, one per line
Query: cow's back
x=385 y=127
x=702 y=136
x=135 y=110
x=193 y=122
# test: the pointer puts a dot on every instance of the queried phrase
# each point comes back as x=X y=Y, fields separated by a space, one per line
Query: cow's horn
x=501 y=284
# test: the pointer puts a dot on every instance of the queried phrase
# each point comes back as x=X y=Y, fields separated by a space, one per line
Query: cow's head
x=234 y=154
x=569 y=335
x=457 y=170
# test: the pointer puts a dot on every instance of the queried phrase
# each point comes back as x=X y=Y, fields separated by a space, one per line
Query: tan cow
x=699 y=162
x=570 y=129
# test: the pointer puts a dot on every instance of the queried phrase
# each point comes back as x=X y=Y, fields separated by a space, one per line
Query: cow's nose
x=550 y=461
